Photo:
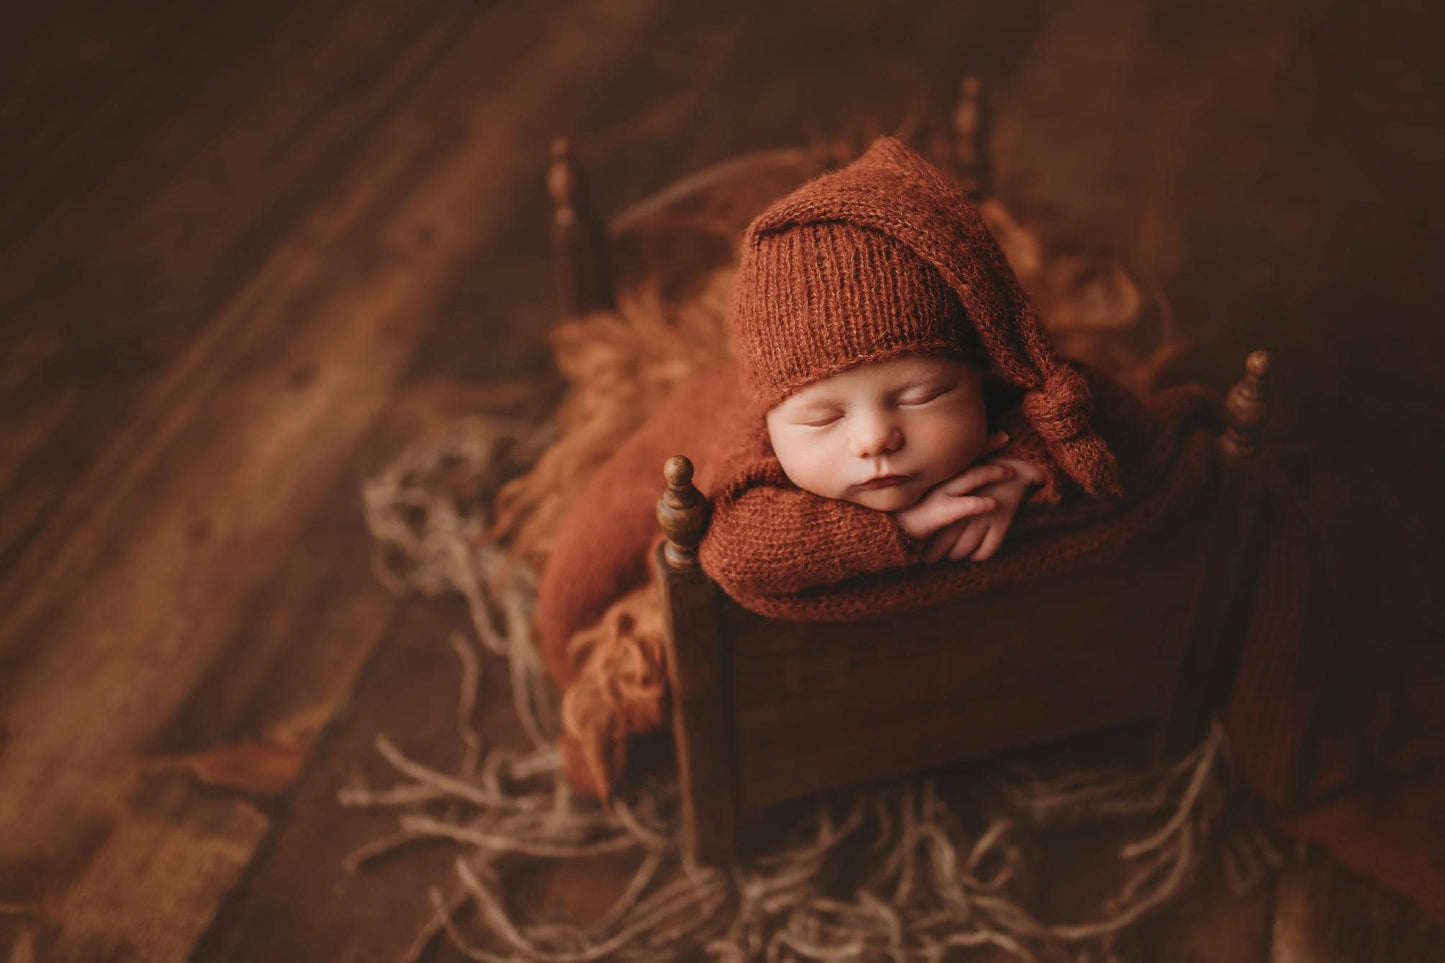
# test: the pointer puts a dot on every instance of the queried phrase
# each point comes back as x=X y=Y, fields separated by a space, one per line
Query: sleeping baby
x=894 y=431
x=901 y=403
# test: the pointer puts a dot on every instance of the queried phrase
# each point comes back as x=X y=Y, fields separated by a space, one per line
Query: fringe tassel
x=930 y=882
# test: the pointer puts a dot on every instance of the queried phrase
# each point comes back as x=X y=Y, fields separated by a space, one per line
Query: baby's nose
x=876 y=436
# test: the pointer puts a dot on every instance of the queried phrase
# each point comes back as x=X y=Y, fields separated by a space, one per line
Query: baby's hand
x=979 y=536
x=953 y=501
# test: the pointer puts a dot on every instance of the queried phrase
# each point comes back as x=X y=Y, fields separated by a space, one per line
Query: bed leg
x=1219 y=613
x=698 y=673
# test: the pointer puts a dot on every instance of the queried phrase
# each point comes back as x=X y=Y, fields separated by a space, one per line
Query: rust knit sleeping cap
x=886 y=258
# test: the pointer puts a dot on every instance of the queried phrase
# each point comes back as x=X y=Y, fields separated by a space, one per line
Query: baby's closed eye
x=922 y=394
x=818 y=418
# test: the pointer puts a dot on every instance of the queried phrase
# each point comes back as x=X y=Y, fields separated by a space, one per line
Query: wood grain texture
x=700 y=677
x=1211 y=924
x=1326 y=914
x=247 y=251
x=1224 y=596
x=820 y=706
x=181 y=521
x=300 y=902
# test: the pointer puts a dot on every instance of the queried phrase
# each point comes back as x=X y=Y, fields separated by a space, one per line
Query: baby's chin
x=893 y=499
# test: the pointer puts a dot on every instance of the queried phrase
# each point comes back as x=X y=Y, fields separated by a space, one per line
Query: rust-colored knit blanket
x=788 y=554
x=594 y=594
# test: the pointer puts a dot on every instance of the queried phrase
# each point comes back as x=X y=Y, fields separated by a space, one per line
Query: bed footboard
x=766 y=710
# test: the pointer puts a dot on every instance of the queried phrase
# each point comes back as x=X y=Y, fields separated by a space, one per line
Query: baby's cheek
x=958 y=443
x=810 y=464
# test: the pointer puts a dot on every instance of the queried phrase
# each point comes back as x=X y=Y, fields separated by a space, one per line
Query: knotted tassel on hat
x=885 y=258
x=1061 y=410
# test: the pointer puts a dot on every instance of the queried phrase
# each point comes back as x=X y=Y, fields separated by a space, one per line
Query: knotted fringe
x=620 y=689
x=931 y=883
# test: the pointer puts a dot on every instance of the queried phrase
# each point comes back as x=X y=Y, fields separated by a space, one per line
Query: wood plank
x=173 y=232
x=1325 y=913
x=1209 y=923
x=207 y=487
x=197 y=843
x=300 y=902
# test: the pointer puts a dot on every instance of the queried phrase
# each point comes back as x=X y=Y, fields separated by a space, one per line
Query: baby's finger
x=971 y=538
x=927 y=517
x=991 y=542
x=995 y=441
x=933 y=548
x=967 y=506
x=938 y=544
x=976 y=477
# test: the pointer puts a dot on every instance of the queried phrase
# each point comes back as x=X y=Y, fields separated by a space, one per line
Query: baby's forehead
x=893 y=374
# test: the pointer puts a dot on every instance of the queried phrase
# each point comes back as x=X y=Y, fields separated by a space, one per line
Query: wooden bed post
x=698 y=672
x=581 y=262
x=972 y=129
x=1224 y=596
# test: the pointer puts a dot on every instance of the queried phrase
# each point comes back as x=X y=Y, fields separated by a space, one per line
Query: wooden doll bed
x=766 y=711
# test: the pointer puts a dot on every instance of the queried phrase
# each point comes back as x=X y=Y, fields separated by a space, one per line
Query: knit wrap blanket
x=789 y=554
x=786 y=553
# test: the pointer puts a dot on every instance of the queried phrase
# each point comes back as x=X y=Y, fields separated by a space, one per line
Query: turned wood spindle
x=581 y=267
x=562 y=183
x=682 y=512
x=1247 y=410
x=972 y=128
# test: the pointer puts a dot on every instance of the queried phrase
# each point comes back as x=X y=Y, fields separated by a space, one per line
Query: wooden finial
x=562 y=183
x=581 y=263
x=972 y=127
x=682 y=512
x=1247 y=410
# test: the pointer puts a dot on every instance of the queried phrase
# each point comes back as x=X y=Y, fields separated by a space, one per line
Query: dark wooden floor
x=249 y=250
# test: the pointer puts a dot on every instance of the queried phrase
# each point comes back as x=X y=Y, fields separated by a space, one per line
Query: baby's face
x=880 y=435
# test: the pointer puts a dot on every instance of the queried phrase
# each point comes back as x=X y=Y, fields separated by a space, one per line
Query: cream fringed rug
x=890 y=874
x=894 y=873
